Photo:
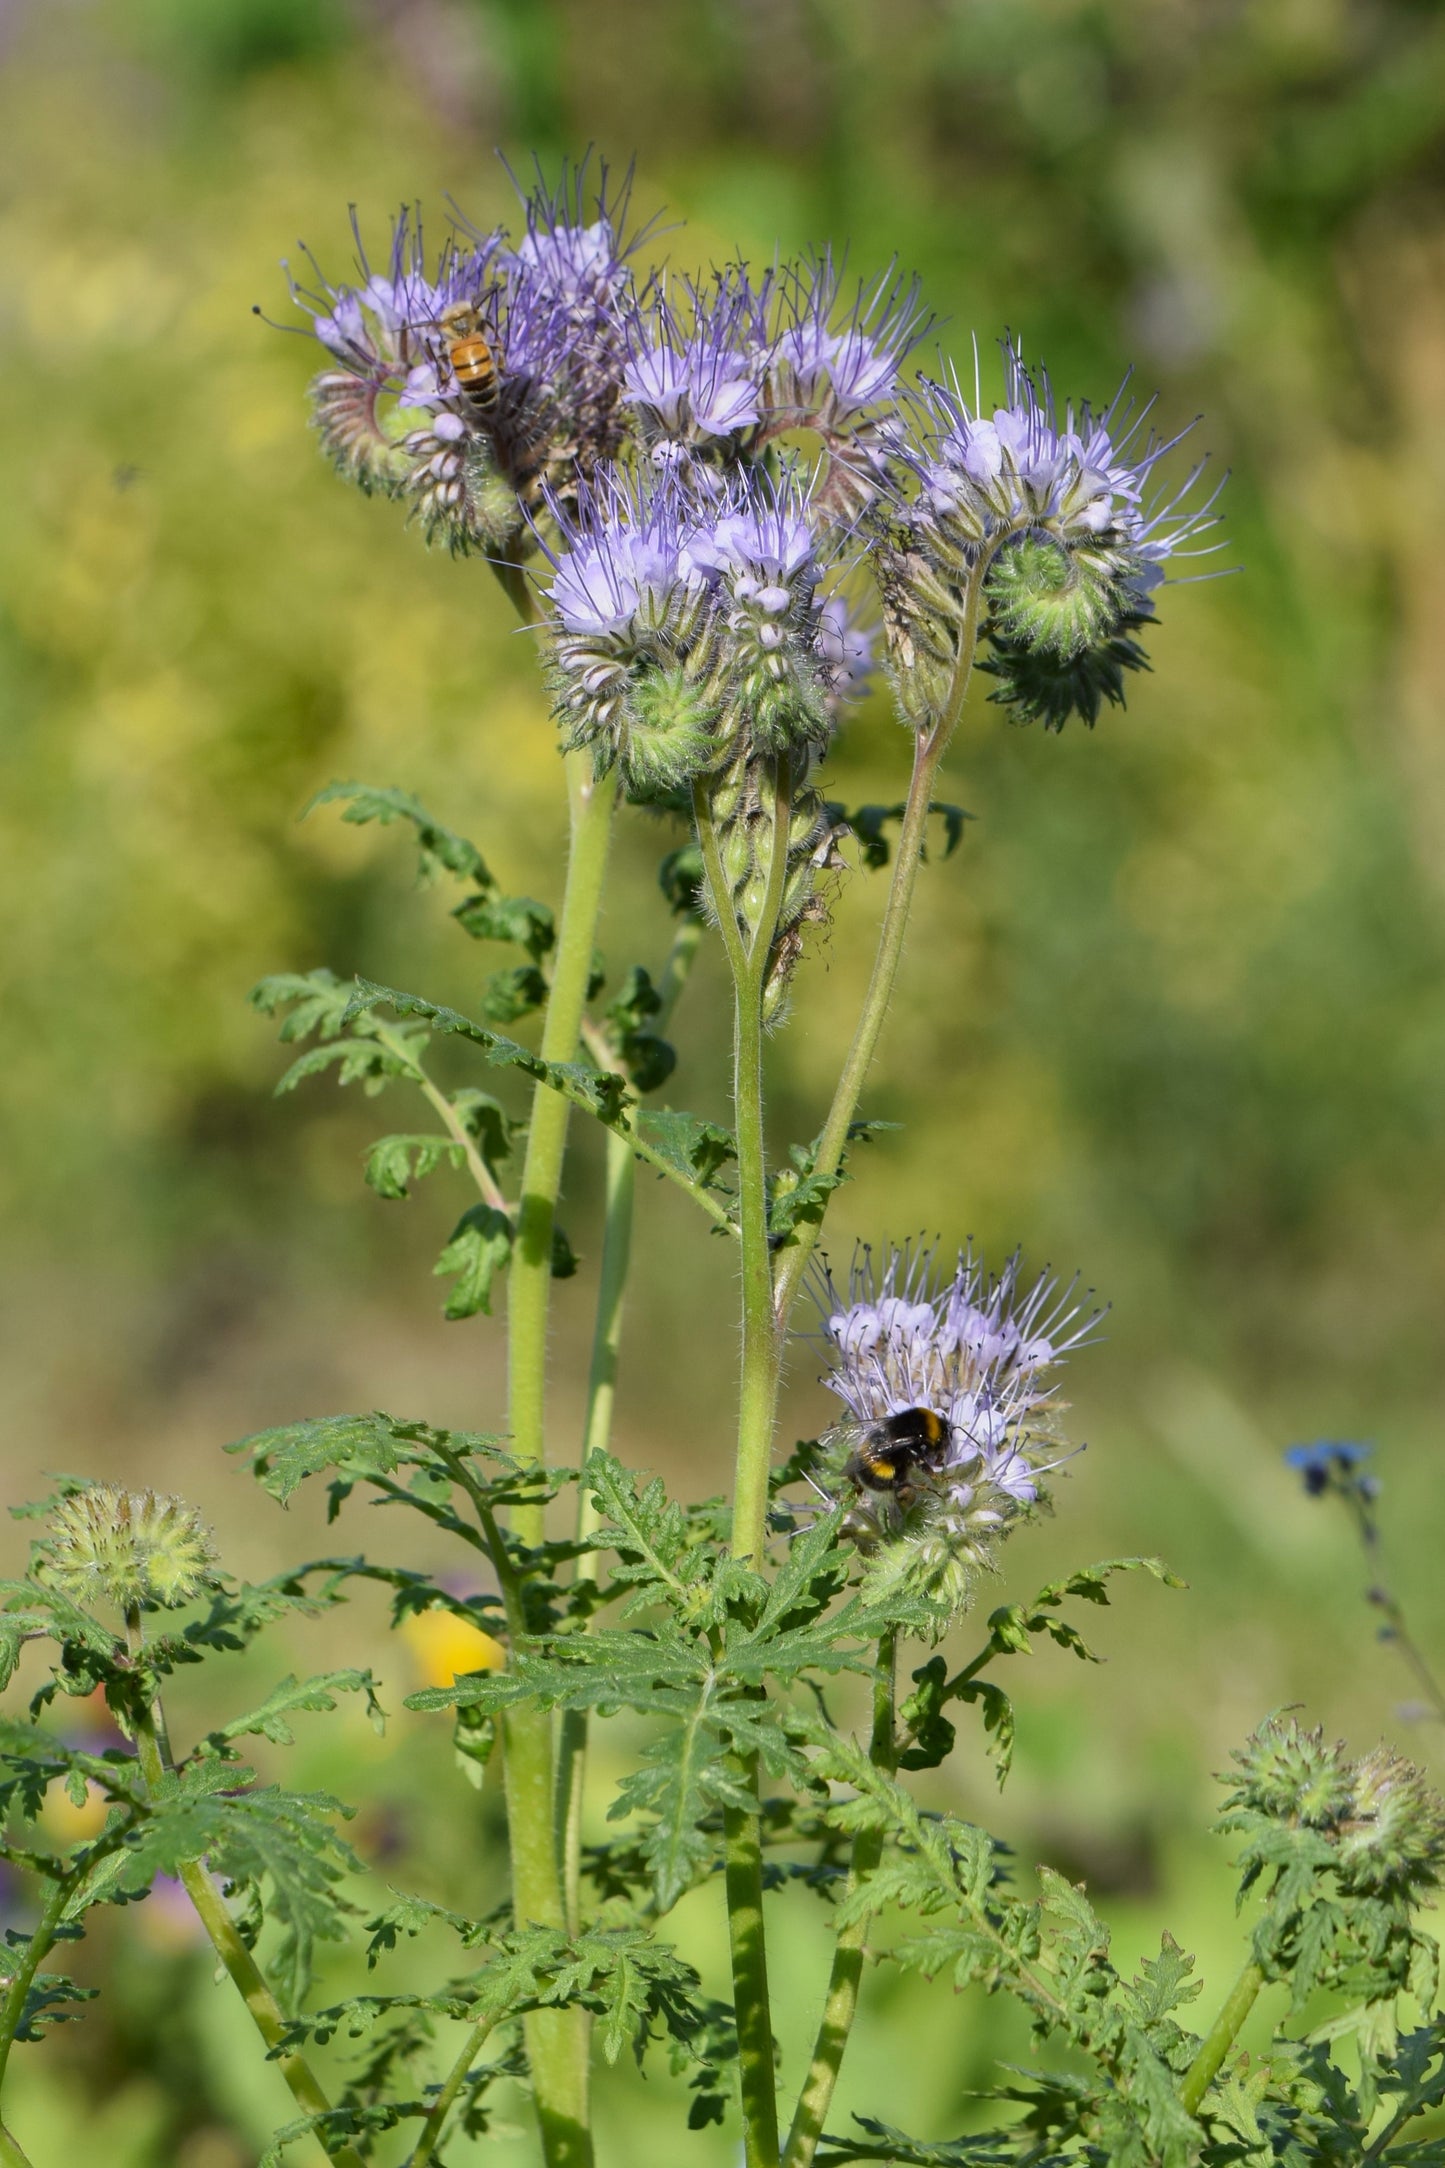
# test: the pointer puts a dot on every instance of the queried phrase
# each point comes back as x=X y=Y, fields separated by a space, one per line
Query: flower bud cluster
x=127 y=1548
x=688 y=630
x=978 y=1352
x=1046 y=526
x=465 y=384
x=1383 y=1820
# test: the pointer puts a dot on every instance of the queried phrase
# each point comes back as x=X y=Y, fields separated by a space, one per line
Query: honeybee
x=888 y=1453
x=472 y=356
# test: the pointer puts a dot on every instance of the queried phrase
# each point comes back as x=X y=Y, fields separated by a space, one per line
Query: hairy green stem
x=840 y=2005
x=743 y=1873
x=591 y=798
x=930 y=745
x=42 y=1941
x=557 y=2040
x=153 y=1749
x=757 y=1399
x=1206 y=2065
x=621 y=1191
x=452 y=2084
x=596 y=1431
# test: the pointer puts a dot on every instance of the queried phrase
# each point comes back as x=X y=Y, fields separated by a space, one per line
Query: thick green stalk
x=743 y=1875
x=621 y=1191
x=840 y=2005
x=12 y=2153
x=761 y=1350
x=1206 y=2065
x=929 y=748
x=557 y=2040
x=591 y=799
x=249 y=1980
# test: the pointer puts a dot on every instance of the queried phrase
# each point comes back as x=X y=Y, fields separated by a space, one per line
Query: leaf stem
x=456 y=1128
x=153 y=1749
x=840 y=2005
x=1206 y=2065
x=930 y=745
x=455 y=2078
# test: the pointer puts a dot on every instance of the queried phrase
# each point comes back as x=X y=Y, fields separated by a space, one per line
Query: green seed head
x=126 y=1548
x=1047 y=597
x=1395 y=1835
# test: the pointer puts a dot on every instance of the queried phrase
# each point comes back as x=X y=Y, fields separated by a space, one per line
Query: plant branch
x=456 y=1128
x=1206 y=2065
x=621 y=1192
x=840 y=2005
x=153 y=1749
x=929 y=747
x=42 y=1941
x=452 y=2084
x=742 y=1845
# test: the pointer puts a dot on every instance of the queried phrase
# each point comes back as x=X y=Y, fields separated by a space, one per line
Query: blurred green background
x=1174 y=1014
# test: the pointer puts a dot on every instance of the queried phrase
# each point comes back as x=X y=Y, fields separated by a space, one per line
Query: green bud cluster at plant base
x=617 y=455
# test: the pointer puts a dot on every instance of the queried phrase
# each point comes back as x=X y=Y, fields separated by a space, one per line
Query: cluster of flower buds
x=131 y=1549
x=465 y=385
x=951 y=1407
x=706 y=463
x=1384 y=1823
x=1043 y=528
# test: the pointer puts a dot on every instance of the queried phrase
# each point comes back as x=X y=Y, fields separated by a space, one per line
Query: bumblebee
x=471 y=355
x=888 y=1454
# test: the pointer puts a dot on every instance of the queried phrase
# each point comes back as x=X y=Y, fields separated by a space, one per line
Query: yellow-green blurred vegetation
x=1174 y=1013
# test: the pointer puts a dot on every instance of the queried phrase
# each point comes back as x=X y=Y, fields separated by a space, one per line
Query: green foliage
x=480 y=1245
x=442 y=850
x=870 y=824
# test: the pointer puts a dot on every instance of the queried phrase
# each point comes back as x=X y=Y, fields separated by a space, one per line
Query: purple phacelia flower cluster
x=680 y=618
x=467 y=384
x=978 y=1353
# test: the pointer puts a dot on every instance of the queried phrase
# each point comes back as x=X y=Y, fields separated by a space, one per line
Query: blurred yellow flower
x=444 y=1646
x=68 y=1823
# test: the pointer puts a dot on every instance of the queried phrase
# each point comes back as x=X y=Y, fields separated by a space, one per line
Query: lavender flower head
x=630 y=608
x=980 y=1352
x=536 y=328
x=834 y=361
x=1084 y=479
x=695 y=369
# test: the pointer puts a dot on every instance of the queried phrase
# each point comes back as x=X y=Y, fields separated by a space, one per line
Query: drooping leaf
x=480 y=1247
x=441 y=847
x=394 y=1163
x=698 y=1149
x=521 y=920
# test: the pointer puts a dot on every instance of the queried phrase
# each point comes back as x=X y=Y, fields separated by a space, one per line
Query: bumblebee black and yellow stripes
x=889 y=1453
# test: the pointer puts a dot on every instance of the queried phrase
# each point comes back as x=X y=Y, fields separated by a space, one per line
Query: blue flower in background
x=1332 y=1460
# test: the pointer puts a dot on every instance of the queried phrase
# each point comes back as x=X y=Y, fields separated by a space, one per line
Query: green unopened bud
x=1050 y=598
x=1291 y=1774
x=127 y=1548
x=669 y=726
x=1395 y=1835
